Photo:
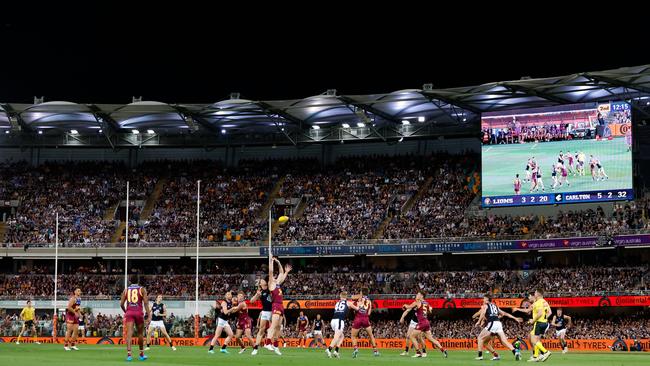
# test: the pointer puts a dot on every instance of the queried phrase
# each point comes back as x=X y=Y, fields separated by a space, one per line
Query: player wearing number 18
x=132 y=302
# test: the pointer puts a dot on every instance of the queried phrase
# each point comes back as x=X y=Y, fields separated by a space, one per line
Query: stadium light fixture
x=464 y=119
x=223 y=131
x=405 y=122
x=135 y=132
x=421 y=119
x=6 y=132
x=345 y=125
x=401 y=139
x=316 y=127
x=361 y=124
x=100 y=131
x=40 y=132
x=74 y=132
x=151 y=132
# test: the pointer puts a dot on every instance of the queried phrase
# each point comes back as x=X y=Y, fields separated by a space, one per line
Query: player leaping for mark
x=133 y=299
x=422 y=311
x=276 y=300
x=490 y=319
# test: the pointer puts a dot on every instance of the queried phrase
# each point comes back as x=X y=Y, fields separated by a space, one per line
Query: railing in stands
x=564 y=235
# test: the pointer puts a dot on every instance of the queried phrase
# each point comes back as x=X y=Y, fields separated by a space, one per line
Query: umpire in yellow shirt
x=28 y=315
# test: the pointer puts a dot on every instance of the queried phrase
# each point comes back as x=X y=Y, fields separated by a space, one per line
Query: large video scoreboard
x=560 y=154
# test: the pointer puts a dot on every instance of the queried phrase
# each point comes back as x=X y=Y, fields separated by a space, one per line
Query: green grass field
x=54 y=355
x=502 y=162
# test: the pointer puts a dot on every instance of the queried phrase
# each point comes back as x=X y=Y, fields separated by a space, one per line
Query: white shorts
x=223 y=323
x=559 y=333
x=265 y=315
x=157 y=324
x=337 y=325
x=494 y=327
x=82 y=327
x=318 y=332
x=413 y=324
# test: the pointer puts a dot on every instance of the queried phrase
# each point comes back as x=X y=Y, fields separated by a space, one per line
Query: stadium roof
x=328 y=117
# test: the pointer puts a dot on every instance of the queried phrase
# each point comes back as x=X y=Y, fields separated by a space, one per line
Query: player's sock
x=536 y=351
x=64 y=345
x=541 y=347
x=514 y=351
x=480 y=353
x=148 y=345
x=141 y=353
x=275 y=344
x=336 y=348
x=255 y=346
x=211 y=347
x=224 y=346
x=267 y=341
x=495 y=354
x=406 y=349
x=128 y=353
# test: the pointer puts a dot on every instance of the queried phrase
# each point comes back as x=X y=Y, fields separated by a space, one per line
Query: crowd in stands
x=569 y=281
x=370 y=197
x=80 y=193
x=351 y=198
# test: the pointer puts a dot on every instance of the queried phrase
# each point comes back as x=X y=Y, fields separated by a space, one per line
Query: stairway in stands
x=379 y=232
x=264 y=211
x=3 y=232
x=300 y=210
x=153 y=199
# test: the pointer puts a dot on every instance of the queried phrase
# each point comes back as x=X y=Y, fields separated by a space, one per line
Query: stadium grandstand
x=381 y=197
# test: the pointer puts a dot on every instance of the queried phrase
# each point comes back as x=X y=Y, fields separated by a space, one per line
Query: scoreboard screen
x=561 y=154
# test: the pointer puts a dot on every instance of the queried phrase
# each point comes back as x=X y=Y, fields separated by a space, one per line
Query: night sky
x=201 y=55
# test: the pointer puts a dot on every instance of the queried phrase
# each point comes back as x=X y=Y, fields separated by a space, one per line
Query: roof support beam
x=109 y=125
x=536 y=93
x=369 y=108
x=452 y=101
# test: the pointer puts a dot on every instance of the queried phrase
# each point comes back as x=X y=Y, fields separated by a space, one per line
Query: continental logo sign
x=589 y=345
x=475 y=303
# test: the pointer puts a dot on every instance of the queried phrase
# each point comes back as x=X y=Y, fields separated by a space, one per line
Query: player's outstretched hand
x=520 y=320
x=530 y=321
x=288 y=267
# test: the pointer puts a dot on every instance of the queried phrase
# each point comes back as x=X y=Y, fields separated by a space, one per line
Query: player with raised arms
x=133 y=300
x=276 y=299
